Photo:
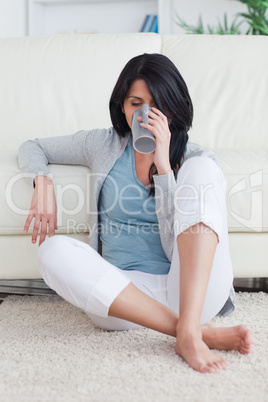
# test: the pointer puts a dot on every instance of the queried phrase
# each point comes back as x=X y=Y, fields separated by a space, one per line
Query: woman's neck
x=143 y=163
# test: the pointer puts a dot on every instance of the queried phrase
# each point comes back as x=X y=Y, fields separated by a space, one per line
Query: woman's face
x=137 y=95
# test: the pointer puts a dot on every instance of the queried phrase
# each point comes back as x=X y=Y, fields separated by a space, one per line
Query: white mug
x=143 y=139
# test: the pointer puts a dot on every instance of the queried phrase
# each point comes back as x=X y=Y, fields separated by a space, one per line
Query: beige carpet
x=51 y=351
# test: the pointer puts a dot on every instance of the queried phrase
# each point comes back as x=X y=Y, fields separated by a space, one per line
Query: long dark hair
x=170 y=94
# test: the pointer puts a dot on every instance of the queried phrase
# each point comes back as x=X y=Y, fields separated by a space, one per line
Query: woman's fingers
x=52 y=225
x=35 y=229
x=43 y=231
x=50 y=221
x=43 y=210
x=157 y=123
x=156 y=112
x=27 y=223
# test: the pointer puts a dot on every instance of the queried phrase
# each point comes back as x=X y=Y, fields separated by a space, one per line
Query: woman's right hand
x=43 y=209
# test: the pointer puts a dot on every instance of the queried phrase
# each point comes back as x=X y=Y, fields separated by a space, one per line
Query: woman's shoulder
x=100 y=135
x=103 y=138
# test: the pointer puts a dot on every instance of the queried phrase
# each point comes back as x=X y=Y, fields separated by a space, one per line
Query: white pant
x=82 y=277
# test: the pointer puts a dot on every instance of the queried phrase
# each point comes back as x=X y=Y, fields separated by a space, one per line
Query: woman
x=165 y=261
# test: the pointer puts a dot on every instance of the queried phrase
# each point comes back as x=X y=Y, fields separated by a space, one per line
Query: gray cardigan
x=99 y=149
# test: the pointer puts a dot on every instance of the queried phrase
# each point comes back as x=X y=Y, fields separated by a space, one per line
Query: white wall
x=13 y=20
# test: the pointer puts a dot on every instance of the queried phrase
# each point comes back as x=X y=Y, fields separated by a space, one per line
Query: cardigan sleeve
x=165 y=186
x=75 y=149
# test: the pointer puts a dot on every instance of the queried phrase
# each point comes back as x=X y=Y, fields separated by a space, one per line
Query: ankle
x=188 y=328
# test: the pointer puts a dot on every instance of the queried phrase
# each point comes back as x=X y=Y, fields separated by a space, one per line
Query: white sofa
x=58 y=85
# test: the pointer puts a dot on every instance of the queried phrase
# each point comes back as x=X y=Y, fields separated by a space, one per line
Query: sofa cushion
x=245 y=171
x=246 y=174
x=58 y=85
x=227 y=79
x=70 y=183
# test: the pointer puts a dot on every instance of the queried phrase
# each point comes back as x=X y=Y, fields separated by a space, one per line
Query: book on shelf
x=150 y=23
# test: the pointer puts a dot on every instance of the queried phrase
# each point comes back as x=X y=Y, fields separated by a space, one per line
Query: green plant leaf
x=256 y=18
x=190 y=29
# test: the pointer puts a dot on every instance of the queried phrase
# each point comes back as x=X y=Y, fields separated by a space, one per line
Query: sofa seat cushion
x=245 y=171
x=70 y=183
x=246 y=174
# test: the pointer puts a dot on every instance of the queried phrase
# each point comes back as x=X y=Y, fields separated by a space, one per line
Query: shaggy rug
x=51 y=351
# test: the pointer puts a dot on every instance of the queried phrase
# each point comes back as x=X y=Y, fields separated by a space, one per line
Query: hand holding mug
x=143 y=139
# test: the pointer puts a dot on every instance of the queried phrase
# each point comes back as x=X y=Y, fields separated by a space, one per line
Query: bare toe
x=232 y=338
x=196 y=353
x=245 y=341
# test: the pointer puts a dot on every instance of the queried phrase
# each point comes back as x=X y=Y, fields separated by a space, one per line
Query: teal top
x=129 y=227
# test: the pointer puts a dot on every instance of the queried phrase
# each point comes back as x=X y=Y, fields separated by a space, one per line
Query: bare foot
x=196 y=353
x=232 y=338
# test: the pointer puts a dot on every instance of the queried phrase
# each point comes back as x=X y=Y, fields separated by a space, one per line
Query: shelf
x=74 y=2
x=49 y=17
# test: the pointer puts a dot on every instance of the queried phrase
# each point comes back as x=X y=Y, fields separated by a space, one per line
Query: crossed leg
x=75 y=282
x=193 y=341
x=196 y=248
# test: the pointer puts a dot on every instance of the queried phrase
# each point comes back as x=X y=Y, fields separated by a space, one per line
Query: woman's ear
x=122 y=108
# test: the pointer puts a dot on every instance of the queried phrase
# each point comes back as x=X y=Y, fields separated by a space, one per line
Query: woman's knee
x=51 y=246
x=199 y=169
x=199 y=175
x=201 y=165
x=200 y=195
x=52 y=256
